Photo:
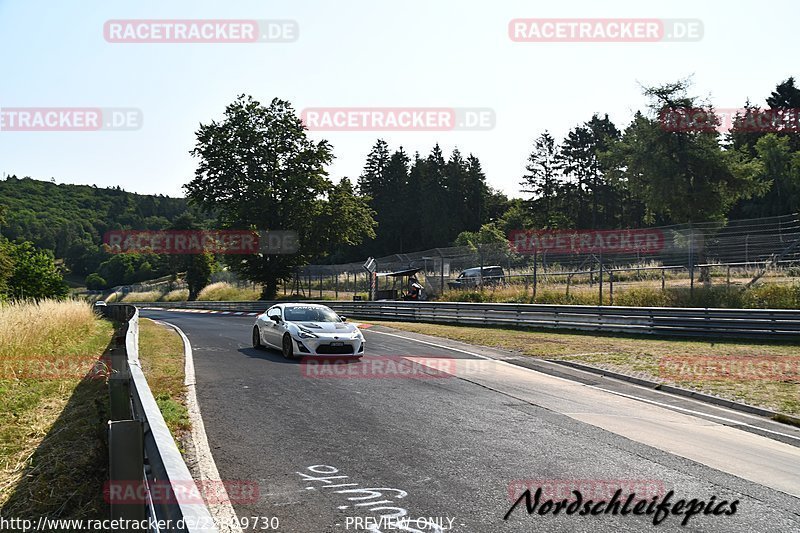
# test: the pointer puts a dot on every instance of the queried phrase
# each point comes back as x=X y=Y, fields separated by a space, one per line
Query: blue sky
x=443 y=53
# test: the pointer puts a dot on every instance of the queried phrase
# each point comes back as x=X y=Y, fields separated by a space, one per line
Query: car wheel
x=288 y=349
x=257 y=339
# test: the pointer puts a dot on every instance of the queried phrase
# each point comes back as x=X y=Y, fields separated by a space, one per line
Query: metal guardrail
x=141 y=447
x=676 y=321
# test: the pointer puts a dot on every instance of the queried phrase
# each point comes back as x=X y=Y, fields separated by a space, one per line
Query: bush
x=149 y=296
x=560 y=297
x=34 y=273
x=178 y=295
x=772 y=297
x=643 y=297
x=720 y=297
x=95 y=282
x=225 y=292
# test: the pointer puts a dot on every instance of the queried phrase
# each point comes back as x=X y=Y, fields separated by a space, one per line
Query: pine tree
x=542 y=179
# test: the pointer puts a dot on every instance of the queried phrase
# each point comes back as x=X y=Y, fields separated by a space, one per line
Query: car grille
x=335 y=350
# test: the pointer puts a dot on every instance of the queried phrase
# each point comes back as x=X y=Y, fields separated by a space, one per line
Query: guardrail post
x=126 y=470
x=119 y=385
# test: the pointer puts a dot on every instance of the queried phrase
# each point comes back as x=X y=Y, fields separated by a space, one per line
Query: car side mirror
x=276 y=319
x=344 y=318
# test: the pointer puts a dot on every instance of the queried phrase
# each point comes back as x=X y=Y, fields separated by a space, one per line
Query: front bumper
x=323 y=346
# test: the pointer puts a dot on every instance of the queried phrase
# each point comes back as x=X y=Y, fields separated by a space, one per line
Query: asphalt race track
x=457 y=444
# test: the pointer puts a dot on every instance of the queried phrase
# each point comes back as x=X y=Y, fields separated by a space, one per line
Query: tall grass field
x=53 y=410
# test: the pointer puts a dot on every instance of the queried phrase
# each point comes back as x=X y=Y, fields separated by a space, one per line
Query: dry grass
x=178 y=295
x=52 y=438
x=30 y=329
x=649 y=358
x=223 y=291
x=161 y=353
x=148 y=296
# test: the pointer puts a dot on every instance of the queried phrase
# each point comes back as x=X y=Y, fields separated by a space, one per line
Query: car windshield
x=310 y=314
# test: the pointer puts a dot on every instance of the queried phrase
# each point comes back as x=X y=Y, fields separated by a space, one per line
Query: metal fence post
x=480 y=253
x=601 y=276
x=691 y=261
x=442 y=270
x=610 y=287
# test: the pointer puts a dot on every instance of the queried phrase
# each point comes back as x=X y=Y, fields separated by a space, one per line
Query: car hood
x=327 y=327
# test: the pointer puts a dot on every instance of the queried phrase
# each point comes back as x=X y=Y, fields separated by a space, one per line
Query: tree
x=198 y=267
x=434 y=209
x=680 y=176
x=34 y=273
x=577 y=158
x=476 y=194
x=198 y=273
x=778 y=170
x=488 y=234
x=372 y=181
x=786 y=100
x=542 y=179
x=397 y=212
x=384 y=181
x=6 y=269
x=95 y=281
x=258 y=170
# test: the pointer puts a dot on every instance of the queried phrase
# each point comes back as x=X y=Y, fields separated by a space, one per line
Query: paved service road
x=454 y=444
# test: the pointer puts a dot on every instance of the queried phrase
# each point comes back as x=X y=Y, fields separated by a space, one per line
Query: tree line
x=258 y=169
x=653 y=173
x=424 y=201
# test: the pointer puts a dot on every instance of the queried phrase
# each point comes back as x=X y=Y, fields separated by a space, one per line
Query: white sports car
x=307 y=329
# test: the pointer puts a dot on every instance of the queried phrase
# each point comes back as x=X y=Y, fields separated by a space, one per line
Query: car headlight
x=305 y=334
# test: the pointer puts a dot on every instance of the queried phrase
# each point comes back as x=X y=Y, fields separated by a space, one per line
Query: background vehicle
x=471 y=277
x=307 y=329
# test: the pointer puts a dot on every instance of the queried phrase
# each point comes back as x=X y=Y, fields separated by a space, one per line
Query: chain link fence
x=589 y=266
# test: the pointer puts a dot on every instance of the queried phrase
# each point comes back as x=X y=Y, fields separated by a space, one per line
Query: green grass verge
x=161 y=353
